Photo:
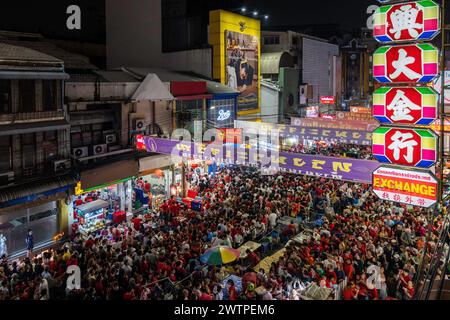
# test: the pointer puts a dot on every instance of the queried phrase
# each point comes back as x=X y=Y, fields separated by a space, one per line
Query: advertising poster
x=241 y=73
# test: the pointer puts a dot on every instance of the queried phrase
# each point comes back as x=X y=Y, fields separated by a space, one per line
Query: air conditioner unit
x=114 y=148
x=100 y=149
x=139 y=125
x=61 y=165
x=6 y=177
x=81 y=152
x=110 y=138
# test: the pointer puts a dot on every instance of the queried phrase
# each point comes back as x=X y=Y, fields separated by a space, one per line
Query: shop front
x=39 y=207
x=103 y=195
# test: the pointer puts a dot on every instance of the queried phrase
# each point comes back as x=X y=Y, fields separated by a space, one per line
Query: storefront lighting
x=266 y=17
x=255 y=13
x=243 y=10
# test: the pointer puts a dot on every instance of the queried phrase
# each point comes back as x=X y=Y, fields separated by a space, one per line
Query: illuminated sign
x=140 y=143
x=224 y=115
x=327 y=99
x=411 y=187
x=405 y=105
x=408 y=147
x=410 y=21
x=312 y=112
x=417 y=63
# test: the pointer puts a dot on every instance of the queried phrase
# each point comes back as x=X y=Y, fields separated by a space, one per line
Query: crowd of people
x=334 y=150
x=157 y=255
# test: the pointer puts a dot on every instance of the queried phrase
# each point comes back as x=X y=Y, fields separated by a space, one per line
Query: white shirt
x=273 y=219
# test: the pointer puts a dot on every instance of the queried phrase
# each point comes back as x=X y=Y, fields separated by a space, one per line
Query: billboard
x=406 y=147
x=347 y=169
x=410 y=21
x=415 y=63
x=236 y=56
x=410 y=187
x=405 y=105
x=242 y=61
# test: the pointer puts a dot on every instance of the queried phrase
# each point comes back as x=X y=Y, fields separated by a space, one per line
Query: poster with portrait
x=241 y=72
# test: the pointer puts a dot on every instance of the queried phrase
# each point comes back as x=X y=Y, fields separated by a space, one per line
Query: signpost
x=413 y=64
x=416 y=188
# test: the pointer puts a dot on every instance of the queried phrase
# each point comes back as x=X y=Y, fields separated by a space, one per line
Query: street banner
x=406 y=22
x=347 y=169
x=405 y=105
x=407 y=147
x=412 y=187
x=343 y=121
x=416 y=63
x=358 y=137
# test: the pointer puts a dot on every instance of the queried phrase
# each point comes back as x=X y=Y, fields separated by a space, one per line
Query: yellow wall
x=221 y=21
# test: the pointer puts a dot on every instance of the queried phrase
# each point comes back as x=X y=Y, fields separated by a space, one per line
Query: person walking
x=30 y=243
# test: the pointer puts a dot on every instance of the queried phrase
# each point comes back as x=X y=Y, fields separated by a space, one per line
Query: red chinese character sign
x=411 y=187
x=405 y=105
x=406 y=147
x=416 y=63
x=410 y=21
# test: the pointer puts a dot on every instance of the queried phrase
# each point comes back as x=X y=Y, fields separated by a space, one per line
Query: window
x=270 y=40
x=26 y=96
x=221 y=113
x=5 y=96
x=5 y=154
x=50 y=146
x=49 y=95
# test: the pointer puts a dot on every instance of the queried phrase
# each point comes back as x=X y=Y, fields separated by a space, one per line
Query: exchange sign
x=411 y=187
x=410 y=21
x=407 y=147
x=416 y=63
x=405 y=105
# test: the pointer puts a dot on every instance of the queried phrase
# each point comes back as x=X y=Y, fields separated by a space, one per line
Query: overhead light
x=244 y=9
x=255 y=13
x=266 y=17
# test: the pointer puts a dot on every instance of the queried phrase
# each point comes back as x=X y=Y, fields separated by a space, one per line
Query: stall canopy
x=273 y=61
x=152 y=89
x=93 y=206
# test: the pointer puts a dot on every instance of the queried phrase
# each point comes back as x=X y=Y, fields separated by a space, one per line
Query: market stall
x=90 y=217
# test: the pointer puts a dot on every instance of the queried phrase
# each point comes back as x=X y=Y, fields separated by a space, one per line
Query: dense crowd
x=334 y=150
x=157 y=255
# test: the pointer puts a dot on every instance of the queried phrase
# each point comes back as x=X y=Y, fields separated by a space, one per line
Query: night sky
x=48 y=16
x=349 y=14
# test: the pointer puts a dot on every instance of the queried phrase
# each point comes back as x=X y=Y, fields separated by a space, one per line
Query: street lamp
x=244 y=10
x=255 y=13
x=266 y=17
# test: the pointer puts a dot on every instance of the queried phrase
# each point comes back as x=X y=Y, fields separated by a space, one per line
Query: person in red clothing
x=252 y=257
x=147 y=186
x=349 y=269
x=350 y=292
x=232 y=292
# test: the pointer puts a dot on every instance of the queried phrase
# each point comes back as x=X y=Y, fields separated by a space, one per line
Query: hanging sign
x=410 y=21
x=407 y=147
x=417 y=63
x=411 y=187
x=405 y=105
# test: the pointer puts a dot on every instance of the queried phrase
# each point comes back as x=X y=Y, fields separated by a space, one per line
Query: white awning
x=272 y=62
x=152 y=89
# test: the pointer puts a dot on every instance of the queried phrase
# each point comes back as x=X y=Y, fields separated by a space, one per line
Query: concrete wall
x=269 y=104
x=318 y=67
x=133 y=39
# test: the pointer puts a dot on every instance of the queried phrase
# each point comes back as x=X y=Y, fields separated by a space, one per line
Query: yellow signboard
x=236 y=56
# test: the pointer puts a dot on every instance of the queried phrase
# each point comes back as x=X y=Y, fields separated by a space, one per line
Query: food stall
x=90 y=217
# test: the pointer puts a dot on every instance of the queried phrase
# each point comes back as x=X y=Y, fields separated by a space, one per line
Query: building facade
x=36 y=177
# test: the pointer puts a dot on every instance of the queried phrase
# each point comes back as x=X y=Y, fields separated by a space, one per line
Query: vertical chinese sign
x=405 y=64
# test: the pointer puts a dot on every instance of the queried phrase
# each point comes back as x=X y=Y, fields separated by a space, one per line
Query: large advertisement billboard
x=235 y=40
x=242 y=61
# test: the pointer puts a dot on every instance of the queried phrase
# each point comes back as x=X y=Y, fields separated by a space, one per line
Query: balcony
x=29 y=117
